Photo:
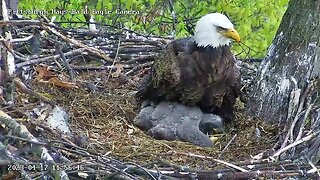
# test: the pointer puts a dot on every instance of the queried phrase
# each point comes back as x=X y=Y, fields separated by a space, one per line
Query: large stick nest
x=103 y=142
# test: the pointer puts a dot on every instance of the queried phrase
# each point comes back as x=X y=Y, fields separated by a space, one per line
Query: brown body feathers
x=197 y=76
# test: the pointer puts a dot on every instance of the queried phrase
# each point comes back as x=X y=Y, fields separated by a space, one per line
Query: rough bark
x=13 y=4
x=291 y=65
x=287 y=89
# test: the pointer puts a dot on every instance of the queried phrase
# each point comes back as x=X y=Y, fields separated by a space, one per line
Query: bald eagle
x=199 y=70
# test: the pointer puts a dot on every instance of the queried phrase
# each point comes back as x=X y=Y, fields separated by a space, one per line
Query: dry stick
x=158 y=172
x=307 y=138
x=79 y=44
x=316 y=123
x=38 y=60
x=20 y=22
x=19 y=39
x=305 y=101
x=66 y=64
x=114 y=60
x=255 y=167
x=254 y=175
x=130 y=81
x=216 y=160
x=16 y=55
x=43 y=153
x=8 y=58
x=138 y=67
x=267 y=164
x=12 y=160
x=107 y=25
x=306 y=114
x=235 y=175
x=132 y=50
x=114 y=166
x=225 y=148
x=19 y=56
x=141 y=58
x=91 y=67
x=133 y=57
x=78 y=150
x=7 y=44
x=146 y=171
x=59 y=147
x=314 y=168
x=26 y=140
x=22 y=87
x=296 y=118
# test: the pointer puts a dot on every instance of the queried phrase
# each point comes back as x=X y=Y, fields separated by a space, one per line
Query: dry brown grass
x=106 y=118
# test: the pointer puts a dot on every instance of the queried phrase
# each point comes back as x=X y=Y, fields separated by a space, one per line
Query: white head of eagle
x=215 y=30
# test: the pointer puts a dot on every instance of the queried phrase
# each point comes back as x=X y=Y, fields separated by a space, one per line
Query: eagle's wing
x=164 y=76
x=224 y=88
x=223 y=97
x=232 y=92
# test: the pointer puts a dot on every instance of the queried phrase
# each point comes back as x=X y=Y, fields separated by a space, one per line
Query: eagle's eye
x=221 y=28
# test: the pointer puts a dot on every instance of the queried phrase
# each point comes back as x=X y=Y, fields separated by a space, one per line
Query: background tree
x=287 y=90
x=256 y=21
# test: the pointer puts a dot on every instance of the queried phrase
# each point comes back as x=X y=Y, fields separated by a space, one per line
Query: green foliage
x=255 y=20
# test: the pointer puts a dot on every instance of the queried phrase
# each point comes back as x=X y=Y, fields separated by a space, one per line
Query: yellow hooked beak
x=233 y=34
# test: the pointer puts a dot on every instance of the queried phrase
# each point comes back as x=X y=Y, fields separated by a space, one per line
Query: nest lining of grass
x=106 y=118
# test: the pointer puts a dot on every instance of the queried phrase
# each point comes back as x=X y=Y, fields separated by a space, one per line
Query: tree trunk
x=291 y=64
x=287 y=90
x=12 y=4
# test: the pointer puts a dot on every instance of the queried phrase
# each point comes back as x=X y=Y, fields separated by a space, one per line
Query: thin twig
x=39 y=60
x=314 y=168
x=66 y=64
x=226 y=147
x=114 y=60
x=77 y=43
x=211 y=158
x=304 y=139
x=23 y=88
x=289 y=134
x=142 y=168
